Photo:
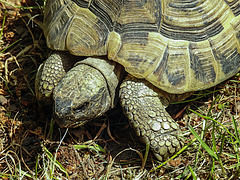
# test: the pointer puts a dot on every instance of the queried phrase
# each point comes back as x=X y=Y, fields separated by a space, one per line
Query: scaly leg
x=144 y=108
x=50 y=72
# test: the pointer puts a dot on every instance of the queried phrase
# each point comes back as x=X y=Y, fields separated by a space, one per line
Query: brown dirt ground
x=27 y=142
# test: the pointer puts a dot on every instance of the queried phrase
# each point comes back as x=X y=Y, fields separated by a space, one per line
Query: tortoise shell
x=177 y=45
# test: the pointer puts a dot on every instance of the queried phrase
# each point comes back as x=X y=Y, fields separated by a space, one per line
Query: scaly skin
x=80 y=93
x=51 y=72
x=86 y=91
x=143 y=105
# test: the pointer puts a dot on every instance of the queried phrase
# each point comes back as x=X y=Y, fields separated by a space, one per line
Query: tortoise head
x=80 y=96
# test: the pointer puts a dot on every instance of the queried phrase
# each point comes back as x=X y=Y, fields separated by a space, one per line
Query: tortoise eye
x=81 y=107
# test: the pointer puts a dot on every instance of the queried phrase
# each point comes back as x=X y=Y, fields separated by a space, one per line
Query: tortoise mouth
x=67 y=122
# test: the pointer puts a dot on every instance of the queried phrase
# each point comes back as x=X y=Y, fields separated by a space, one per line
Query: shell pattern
x=177 y=45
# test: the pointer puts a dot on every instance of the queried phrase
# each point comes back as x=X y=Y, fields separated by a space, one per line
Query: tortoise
x=148 y=53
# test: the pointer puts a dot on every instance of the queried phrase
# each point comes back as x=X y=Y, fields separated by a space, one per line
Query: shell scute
x=178 y=46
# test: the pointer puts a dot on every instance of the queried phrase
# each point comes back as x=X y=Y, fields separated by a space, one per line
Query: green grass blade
x=3 y=23
x=146 y=154
x=194 y=99
x=204 y=145
x=236 y=130
x=193 y=174
x=10 y=45
x=206 y=117
x=19 y=7
x=234 y=166
x=95 y=147
x=54 y=161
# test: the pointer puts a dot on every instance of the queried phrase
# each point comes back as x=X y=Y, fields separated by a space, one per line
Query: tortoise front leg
x=144 y=108
x=50 y=72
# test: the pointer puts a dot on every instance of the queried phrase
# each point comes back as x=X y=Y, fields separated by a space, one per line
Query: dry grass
x=33 y=147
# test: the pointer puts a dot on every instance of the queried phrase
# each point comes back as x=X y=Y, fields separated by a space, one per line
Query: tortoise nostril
x=81 y=107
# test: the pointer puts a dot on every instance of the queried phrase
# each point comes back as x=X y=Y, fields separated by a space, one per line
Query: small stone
x=156 y=126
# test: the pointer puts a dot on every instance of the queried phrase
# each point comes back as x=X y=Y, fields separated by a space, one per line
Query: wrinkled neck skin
x=87 y=91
